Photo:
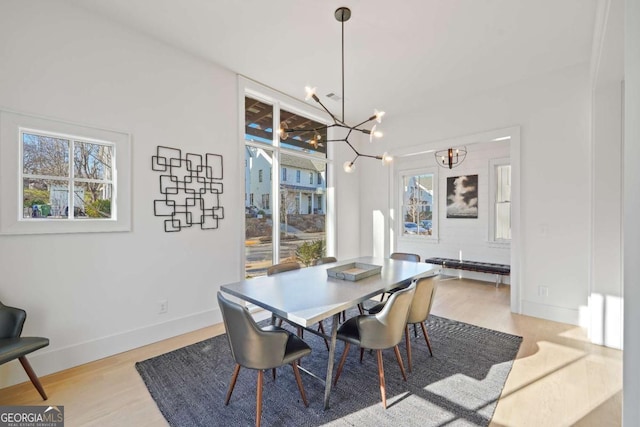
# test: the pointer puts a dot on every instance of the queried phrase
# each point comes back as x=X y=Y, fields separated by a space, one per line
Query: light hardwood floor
x=558 y=378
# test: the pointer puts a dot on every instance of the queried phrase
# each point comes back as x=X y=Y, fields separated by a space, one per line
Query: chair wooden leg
x=279 y=323
x=32 y=376
x=321 y=329
x=383 y=394
x=415 y=330
x=273 y=372
x=361 y=308
x=296 y=372
x=361 y=353
x=232 y=384
x=426 y=337
x=342 y=360
x=408 y=341
x=396 y=349
x=259 y=397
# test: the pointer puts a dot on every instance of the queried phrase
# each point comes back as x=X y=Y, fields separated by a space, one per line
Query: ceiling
x=399 y=56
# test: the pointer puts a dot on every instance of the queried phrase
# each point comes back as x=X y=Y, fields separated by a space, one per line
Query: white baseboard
x=50 y=359
x=550 y=312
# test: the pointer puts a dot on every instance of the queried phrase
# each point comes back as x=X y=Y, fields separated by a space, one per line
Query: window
x=275 y=230
x=417 y=204
x=251 y=199
x=63 y=175
x=260 y=175
x=68 y=178
x=319 y=180
x=500 y=211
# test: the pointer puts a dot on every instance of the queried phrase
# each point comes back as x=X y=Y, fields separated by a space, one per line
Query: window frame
x=399 y=196
x=493 y=164
x=251 y=89
x=12 y=124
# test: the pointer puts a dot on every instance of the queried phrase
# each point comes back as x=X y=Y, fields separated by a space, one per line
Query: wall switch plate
x=543 y=291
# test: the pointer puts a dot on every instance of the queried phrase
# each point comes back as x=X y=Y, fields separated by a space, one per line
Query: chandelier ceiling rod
x=342 y=14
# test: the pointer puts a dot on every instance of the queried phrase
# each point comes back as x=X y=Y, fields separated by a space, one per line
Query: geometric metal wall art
x=191 y=186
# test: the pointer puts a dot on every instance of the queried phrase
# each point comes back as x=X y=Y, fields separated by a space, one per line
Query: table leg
x=332 y=352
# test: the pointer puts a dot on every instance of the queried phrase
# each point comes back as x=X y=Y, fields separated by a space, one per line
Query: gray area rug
x=458 y=386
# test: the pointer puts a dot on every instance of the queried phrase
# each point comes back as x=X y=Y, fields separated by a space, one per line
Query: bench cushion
x=483 y=267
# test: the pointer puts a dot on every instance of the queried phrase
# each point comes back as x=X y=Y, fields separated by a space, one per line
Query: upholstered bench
x=481 y=267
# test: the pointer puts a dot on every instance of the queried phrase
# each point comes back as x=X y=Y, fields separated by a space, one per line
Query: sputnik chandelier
x=451 y=157
x=342 y=14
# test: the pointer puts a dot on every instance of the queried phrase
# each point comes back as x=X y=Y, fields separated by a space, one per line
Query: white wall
x=97 y=294
x=631 y=374
x=555 y=212
x=605 y=293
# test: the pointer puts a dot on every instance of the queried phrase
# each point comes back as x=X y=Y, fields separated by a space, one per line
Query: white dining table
x=308 y=295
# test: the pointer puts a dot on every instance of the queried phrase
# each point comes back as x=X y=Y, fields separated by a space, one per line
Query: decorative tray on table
x=354 y=271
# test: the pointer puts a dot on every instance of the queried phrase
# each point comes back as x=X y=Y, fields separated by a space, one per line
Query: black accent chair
x=259 y=348
x=378 y=332
x=13 y=346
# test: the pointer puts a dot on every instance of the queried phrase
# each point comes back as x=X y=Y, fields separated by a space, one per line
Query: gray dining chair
x=282 y=267
x=14 y=346
x=325 y=260
x=258 y=348
x=401 y=256
x=419 y=312
x=289 y=266
x=378 y=332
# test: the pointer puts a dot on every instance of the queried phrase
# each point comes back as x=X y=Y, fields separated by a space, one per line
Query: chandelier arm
x=334 y=118
x=366 y=121
x=353 y=148
x=371 y=156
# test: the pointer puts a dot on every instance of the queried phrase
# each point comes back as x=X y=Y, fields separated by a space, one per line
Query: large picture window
x=62 y=177
x=289 y=224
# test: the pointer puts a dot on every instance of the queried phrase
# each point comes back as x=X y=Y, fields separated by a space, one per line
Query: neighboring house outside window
x=287 y=201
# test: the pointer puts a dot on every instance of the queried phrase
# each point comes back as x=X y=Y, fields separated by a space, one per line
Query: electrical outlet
x=543 y=291
x=163 y=306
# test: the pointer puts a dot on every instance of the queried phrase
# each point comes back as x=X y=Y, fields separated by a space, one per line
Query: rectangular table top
x=308 y=295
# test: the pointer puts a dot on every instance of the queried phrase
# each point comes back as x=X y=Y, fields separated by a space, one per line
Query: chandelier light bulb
x=386 y=159
x=378 y=115
x=310 y=92
x=348 y=166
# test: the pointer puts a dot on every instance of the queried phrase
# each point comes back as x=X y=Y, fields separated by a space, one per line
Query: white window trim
x=400 y=174
x=11 y=218
x=492 y=202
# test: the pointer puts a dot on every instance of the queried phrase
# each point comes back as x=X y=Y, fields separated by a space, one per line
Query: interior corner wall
x=553 y=112
x=631 y=355
x=98 y=294
x=605 y=293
